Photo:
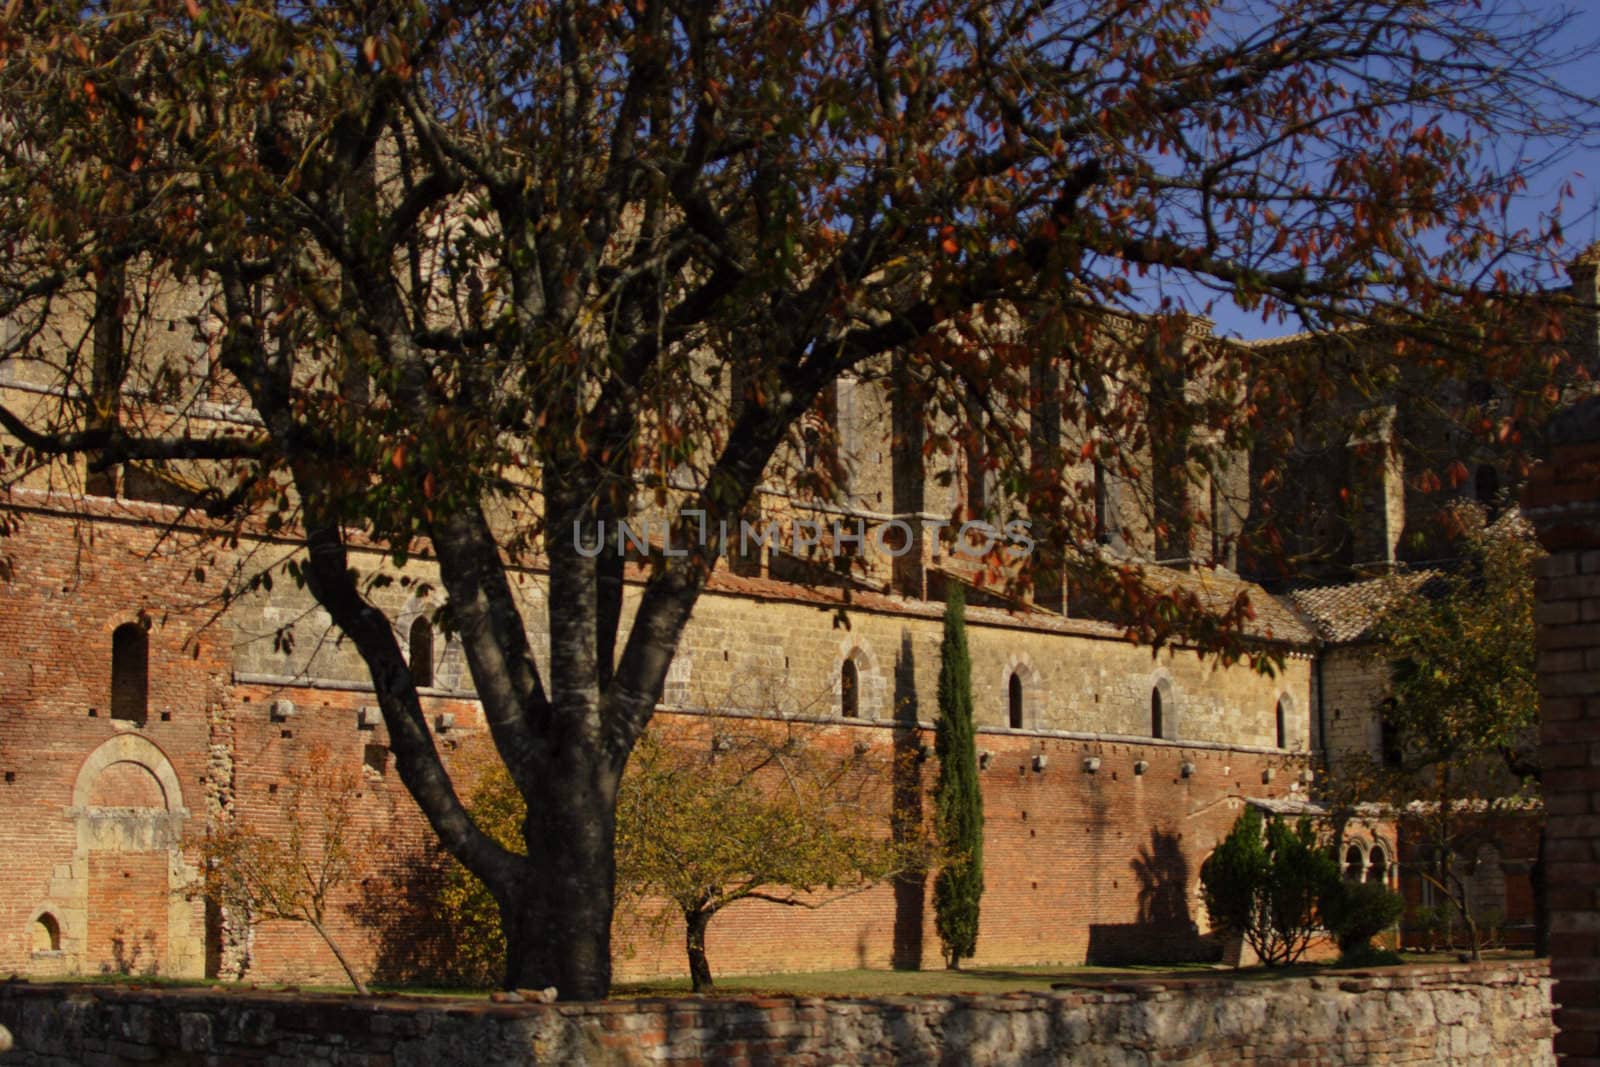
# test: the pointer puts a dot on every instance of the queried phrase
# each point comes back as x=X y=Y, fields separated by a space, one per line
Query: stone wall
x=772 y=647
x=1491 y=1013
x=1354 y=685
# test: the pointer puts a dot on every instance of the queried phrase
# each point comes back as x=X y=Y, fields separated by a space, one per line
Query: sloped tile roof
x=1218 y=590
x=764 y=588
x=1347 y=612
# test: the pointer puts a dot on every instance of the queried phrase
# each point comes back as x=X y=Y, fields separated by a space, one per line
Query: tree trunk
x=355 y=979
x=695 y=923
x=1463 y=905
x=557 y=922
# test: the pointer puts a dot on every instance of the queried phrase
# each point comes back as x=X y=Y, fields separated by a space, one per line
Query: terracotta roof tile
x=1274 y=620
x=1346 y=612
x=1218 y=590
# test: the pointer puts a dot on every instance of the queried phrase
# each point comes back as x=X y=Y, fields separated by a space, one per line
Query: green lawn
x=977 y=979
x=866 y=983
x=972 y=979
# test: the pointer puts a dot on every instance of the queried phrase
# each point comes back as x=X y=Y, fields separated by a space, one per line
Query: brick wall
x=1081 y=865
x=75 y=806
x=1489 y=1014
x=1563 y=501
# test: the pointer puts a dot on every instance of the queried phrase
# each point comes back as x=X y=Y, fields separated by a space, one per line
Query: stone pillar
x=1563 y=502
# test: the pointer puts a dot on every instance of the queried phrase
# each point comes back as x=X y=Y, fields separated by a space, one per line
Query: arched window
x=1354 y=864
x=1157 y=726
x=1377 y=865
x=1283 y=725
x=46 y=934
x=1014 y=700
x=849 y=690
x=130 y=673
x=422 y=651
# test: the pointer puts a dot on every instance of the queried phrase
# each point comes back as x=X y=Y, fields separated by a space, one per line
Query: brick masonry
x=1489 y=1014
x=1563 y=501
x=104 y=817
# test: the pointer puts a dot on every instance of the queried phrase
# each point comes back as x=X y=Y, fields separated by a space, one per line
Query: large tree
x=463 y=263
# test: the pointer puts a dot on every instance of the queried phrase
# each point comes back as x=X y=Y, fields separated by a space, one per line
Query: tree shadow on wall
x=1163 y=931
x=132 y=954
x=401 y=909
x=910 y=887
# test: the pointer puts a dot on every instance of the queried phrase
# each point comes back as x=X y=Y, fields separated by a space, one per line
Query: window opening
x=849 y=690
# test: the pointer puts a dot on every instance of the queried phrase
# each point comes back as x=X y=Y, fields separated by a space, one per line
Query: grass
x=860 y=982
x=871 y=983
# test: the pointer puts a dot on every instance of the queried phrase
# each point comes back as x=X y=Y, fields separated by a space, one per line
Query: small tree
x=958 y=800
x=294 y=871
x=756 y=814
x=1265 y=887
x=1462 y=754
x=759 y=816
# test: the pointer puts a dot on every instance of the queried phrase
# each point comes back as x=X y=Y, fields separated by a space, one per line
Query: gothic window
x=1214 y=510
x=1014 y=700
x=130 y=673
x=849 y=690
x=1486 y=488
x=1283 y=725
x=811 y=450
x=421 y=640
x=1157 y=725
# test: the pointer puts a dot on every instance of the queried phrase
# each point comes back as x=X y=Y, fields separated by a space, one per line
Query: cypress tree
x=958 y=800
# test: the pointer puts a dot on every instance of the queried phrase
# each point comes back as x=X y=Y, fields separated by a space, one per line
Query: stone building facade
x=136 y=713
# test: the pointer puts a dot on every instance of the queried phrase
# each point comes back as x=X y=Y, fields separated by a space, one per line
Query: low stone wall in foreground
x=1488 y=1013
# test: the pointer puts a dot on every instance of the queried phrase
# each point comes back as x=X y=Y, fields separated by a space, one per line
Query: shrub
x=1356 y=912
x=1434 y=923
x=1369 y=956
x=1265 y=887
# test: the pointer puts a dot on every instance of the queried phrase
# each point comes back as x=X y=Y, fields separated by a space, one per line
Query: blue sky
x=1580 y=214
